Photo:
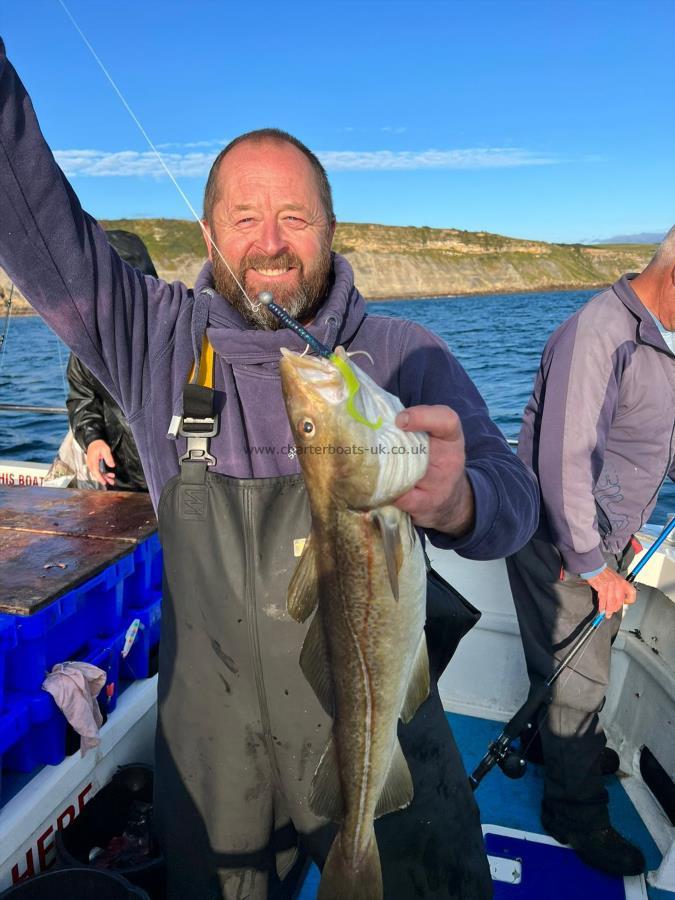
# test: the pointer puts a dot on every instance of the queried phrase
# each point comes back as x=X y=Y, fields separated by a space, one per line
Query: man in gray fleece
x=240 y=731
x=598 y=432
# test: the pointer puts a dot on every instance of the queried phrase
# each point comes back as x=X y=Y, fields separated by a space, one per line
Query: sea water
x=498 y=338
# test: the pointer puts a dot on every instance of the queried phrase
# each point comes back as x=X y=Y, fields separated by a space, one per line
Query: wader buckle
x=198 y=433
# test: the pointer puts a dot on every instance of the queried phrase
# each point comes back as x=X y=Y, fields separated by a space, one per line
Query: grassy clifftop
x=391 y=261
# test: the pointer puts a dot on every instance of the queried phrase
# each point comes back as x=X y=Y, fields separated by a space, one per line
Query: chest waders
x=240 y=732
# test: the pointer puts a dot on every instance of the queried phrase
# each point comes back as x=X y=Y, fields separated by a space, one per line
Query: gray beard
x=300 y=303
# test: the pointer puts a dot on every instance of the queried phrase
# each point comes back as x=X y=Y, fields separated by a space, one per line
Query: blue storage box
x=44 y=741
x=55 y=633
x=145 y=584
x=7 y=643
x=14 y=723
x=137 y=663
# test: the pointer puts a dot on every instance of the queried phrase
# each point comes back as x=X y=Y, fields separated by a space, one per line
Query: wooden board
x=52 y=540
x=37 y=568
x=106 y=515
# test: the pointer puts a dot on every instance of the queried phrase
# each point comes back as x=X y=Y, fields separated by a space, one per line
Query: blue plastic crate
x=14 y=723
x=44 y=743
x=7 y=643
x=145 y=585
x=55 y=633
x=137 y=662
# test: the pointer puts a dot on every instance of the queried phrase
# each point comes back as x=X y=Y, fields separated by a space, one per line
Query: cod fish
x=363 y=574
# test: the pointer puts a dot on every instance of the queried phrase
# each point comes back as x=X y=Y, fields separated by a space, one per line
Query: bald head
x=655 y=286
x=269 y=226
x=274 y=136
x=665 y=255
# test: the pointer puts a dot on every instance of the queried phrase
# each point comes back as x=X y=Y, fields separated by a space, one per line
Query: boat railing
x=44 y=410
x=61 y=410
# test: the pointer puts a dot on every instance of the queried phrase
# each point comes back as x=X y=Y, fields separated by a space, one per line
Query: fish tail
x=344 y=879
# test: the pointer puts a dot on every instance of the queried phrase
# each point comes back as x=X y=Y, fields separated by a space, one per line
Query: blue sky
x=550 y=120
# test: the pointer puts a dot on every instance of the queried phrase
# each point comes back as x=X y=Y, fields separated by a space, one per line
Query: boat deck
x=515 y=805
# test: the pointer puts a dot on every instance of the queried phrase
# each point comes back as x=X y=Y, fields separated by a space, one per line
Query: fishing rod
x=499 y=752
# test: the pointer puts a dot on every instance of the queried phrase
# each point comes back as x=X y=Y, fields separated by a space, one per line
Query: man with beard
x=233 y=219
x=240 y=731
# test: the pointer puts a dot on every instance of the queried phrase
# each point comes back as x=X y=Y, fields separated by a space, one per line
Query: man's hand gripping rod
x=499 y=752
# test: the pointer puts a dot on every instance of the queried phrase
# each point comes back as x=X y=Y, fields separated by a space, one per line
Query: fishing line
x=62 y=368
x=207 y=236
x=365 y=353
x=342 y=365
x=3 y=336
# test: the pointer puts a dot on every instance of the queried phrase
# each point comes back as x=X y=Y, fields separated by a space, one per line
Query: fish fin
x=325 y=796
x=358 y=879
x=314 y=664
x=410 y=532
x=388 y=521
x=398 y=788
x=419 y=684
x=302 y=594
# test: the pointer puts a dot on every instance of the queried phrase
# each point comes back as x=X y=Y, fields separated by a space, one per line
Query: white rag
x=75 y=687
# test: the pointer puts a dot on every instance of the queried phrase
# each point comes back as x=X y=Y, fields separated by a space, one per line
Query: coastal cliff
x=393 y=262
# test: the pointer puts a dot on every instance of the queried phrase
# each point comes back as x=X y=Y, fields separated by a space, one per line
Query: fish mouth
x=317 y=384
x=310 y=368
x=313 y=376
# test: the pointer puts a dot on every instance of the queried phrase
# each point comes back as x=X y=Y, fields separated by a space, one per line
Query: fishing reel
x=499 y=754
x=512 y=764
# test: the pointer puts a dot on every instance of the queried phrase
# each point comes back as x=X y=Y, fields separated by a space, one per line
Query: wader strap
x=207 y=362
x=199 y=422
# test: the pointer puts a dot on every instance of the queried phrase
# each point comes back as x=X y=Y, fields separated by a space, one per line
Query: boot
x=602 y=848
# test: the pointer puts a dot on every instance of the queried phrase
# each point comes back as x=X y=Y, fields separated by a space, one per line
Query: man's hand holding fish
x=443 y=498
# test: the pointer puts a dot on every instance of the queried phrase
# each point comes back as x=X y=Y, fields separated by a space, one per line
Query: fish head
x=343 y=424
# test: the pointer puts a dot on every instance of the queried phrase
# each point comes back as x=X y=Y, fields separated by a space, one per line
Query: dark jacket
x=135 y=333
x=92 y=412
x=94 y=416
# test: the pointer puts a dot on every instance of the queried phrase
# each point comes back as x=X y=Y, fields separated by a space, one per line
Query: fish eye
x=306 y=427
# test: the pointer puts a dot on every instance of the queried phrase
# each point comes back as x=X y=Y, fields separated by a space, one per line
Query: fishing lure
x=342 y=365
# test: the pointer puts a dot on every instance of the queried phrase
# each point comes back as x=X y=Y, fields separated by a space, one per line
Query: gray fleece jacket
x=135 y=333
x=599 y=427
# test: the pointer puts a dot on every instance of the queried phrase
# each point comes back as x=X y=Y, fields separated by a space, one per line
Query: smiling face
x=269 y=224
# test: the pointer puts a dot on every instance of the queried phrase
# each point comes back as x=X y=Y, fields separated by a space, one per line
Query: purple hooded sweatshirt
x=135 y=333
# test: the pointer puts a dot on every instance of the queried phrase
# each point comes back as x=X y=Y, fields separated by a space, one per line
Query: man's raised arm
x=58 y=256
